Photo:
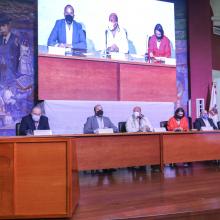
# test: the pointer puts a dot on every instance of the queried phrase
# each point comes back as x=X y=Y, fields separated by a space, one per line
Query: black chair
x=218 y=124
x=84 y=32
x=190 y=122
x=122 y=126
x=163 y=124
x=17 y=128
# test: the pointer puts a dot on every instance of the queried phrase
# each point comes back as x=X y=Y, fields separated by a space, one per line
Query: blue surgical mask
x=205 y=116
x=36 y=118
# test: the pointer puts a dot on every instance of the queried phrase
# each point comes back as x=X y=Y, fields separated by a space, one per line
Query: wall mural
x=181 y=53
x=16 y=62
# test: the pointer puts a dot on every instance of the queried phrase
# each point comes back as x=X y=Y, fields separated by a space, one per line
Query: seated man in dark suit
x=67 y=32
x=34 y=121
x=204 y=121
x=98 y=121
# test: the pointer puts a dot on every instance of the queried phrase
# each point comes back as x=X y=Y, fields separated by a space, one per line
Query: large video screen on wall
x=140 y=30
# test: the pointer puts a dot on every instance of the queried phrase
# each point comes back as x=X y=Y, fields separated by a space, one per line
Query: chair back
x=17 y=128
x=122 y=126
x=218 y=124
x=163 y=124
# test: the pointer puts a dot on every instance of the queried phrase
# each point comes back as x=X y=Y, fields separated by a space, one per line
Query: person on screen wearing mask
x=178 y=122
x=34 y=121
x=159 y=44
x=137 y=122
x=204 y=121
x=98 y=121
x=67 y=32
x=115 y=36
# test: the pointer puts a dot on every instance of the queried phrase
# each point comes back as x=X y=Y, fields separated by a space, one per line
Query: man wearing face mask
x=115 y=37
x=204 y=121
x=159 y=44
x=34 y=121
x=98 y=121
x=67 y=32
x=178 y=122
x=138 y=122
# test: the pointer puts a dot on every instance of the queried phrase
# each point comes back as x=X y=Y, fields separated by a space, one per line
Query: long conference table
x=39 y=175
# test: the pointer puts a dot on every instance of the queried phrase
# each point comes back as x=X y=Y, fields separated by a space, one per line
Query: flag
x=213 y=111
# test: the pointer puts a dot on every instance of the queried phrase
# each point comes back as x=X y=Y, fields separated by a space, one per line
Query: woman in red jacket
x=159 y=44
x=178 y=122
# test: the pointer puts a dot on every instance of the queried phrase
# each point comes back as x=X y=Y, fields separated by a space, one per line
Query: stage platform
x=179 y=193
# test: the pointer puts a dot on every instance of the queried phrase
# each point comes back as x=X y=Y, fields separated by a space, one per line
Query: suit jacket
x=200 y=123
x=27 y=123
x=58 y=35
x=92 y=124
x=13 y=51
x=163 y=51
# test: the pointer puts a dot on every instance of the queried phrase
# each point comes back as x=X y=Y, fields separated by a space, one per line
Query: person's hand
x=61 y=45
x=114 y=48
x=178 y=129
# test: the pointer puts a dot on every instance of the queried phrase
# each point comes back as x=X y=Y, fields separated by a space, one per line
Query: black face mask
x=179 y=117
x=99 y=113
x=69 y=19
x=159 y=38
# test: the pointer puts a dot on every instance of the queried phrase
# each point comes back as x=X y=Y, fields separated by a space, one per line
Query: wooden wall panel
x=100 y=152
x=191 y=147
x=72 y=79
x=6 y=179
x=150 y=83
x=41 y=179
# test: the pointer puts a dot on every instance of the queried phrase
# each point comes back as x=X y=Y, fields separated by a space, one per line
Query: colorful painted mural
x=16 y=62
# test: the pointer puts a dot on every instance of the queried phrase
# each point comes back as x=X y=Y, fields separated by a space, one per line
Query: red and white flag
x=213 y=111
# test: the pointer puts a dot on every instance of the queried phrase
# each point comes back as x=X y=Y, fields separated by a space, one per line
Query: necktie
x=4 y=41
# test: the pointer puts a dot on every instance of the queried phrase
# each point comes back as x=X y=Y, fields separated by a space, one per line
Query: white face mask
x=36 y=118
x=136 y=114
x=111 y=26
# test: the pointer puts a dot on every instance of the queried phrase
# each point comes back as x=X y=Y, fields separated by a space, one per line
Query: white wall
x=216 y=78
x=137 y=17
x=68 y=117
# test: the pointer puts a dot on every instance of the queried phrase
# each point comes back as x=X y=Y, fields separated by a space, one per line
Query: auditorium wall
x=215 y=52
x=18 y=94
x=200 y=51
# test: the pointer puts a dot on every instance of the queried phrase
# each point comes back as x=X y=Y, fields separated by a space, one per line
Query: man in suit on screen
x=98 y=121
x=67 y=32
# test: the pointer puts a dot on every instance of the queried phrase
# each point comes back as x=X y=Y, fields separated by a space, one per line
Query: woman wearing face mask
x=159 y=44
x=178 y=122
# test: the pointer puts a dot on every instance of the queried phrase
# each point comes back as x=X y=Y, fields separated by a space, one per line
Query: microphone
x=106 y=40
